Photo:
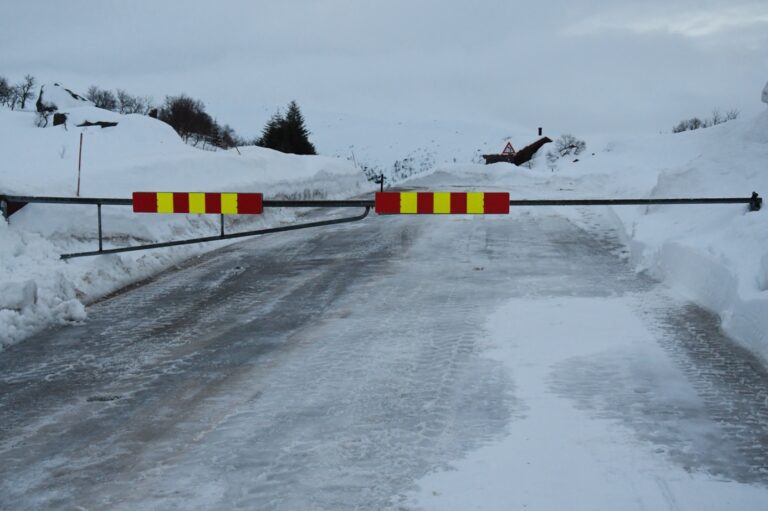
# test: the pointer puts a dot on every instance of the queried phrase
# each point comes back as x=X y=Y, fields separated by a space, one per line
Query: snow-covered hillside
x=405 y=148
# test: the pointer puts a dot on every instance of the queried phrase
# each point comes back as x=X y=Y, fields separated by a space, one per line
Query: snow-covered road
x=348 y=368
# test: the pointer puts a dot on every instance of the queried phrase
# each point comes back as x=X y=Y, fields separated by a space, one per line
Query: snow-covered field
x=716 y=256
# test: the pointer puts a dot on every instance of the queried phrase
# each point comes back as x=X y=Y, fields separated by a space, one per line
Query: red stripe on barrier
x=497 y=203
x=144 y=202
x=458 y=202
x=180 y=202
x=387 y=203
x=249 y=204
x=425 y=203
x=213 y=203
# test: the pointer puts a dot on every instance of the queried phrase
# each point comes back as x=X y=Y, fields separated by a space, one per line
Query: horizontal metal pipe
x=66 y=200
x=627 y=202
x=319 y=203
x=220 y=237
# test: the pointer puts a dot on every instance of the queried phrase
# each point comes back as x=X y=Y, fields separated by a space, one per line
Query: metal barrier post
x=98 y=207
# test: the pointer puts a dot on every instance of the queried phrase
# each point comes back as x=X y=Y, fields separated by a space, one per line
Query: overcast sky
x=579 y=66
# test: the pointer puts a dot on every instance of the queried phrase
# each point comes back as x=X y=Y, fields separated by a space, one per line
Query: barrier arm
x=384 y=203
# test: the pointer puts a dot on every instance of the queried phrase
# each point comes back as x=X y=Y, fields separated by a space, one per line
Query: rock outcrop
x=54 y=97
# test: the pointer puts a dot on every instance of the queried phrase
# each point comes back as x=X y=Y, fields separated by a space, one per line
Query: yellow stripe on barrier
x=228 y=203
x=408 y=202
x=442 y=202
x=165 y=202
x=475 y=203
x=196 y=202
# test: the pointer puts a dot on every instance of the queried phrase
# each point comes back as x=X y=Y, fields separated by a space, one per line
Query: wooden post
x=79 y=164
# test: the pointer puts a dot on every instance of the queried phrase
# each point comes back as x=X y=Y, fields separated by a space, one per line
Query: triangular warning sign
x=508 y=149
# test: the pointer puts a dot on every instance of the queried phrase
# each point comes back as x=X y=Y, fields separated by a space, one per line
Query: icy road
x=398 y=363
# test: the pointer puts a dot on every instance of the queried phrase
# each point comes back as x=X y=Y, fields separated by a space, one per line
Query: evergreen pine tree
x=296 y=133
x=271 y=135
x=287 y=133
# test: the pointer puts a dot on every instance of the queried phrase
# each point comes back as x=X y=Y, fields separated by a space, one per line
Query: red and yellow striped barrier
x=455 y=203
x=198 y=202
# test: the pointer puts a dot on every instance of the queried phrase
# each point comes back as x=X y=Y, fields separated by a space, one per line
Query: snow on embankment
x=139 y=154
x=715 y=255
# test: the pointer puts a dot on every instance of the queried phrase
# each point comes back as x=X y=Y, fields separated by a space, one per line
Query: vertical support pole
x=98 y=207
x=222 y=224
x=79 y=164
x=540 y=130
x=382 y=181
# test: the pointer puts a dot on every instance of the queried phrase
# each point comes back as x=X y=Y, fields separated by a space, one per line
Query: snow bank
x=18 y=295
x=717 y=256
x=140 y=153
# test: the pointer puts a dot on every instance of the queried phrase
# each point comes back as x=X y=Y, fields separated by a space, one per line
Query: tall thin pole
x=79 y=164
x=98 y=206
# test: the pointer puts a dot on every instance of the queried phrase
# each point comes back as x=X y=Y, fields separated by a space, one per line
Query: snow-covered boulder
x=70 y=107
x=54 y=97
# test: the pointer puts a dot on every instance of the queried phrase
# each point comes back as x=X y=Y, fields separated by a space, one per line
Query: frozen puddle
x=611 y=421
